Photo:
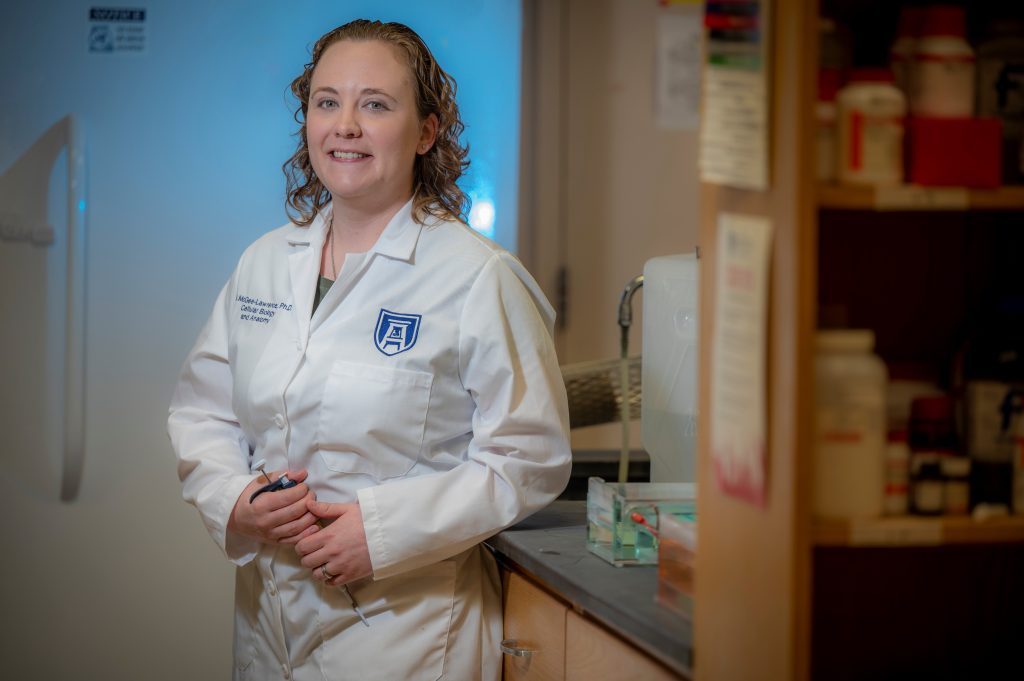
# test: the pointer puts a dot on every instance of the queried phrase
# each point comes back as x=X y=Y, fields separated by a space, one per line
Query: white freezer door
x=42 y=345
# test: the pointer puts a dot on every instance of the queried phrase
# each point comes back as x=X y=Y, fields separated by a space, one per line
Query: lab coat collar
x=303 y=264
x=399 y=238
x=397 y=241
x=304 y=236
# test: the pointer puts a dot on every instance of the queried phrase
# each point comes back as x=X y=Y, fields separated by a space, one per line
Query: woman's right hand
x=280 y=517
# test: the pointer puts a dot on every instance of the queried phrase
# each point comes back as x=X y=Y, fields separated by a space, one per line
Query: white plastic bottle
x=871 y=124
x=942 y=82
x=850 y=427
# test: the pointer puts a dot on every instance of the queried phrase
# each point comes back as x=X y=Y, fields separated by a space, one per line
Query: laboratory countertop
x=551 y=546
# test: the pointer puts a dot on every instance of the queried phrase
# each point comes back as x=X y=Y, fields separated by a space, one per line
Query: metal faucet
x=625 y=319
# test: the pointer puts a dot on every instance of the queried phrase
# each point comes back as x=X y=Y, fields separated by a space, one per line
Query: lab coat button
x=279 y=421
x=271 y=588
x=284 y=670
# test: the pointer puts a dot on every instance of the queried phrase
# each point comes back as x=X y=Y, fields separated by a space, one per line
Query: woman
x=395 y=364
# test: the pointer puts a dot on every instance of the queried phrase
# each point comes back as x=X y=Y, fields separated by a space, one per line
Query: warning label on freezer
x=117 y=30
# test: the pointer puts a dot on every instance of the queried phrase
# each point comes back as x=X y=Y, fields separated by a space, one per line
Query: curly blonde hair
x=435 y=191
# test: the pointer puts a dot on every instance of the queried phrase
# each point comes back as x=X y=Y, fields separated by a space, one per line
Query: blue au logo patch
x=396 y=332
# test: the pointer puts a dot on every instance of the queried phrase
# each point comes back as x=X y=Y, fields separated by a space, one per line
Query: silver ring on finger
x=327 y=575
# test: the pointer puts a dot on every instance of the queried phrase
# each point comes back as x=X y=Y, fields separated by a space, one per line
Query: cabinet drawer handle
x=510 y=646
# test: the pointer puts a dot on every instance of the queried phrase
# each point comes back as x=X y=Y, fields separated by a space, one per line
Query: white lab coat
x=426 y=386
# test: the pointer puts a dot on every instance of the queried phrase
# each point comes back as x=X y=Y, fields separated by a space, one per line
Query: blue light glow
x=481 y=216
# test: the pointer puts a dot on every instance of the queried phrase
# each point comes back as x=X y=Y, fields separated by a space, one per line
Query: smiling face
x=363 y=130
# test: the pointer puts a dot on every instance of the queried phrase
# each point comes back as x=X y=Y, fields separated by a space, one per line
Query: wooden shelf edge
x=918 y=531
x=917 y=198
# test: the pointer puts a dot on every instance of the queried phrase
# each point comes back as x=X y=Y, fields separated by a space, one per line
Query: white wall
x=608 y=189
x=185 y=147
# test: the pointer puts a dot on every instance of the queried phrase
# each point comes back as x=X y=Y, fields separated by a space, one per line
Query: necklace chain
x=334 y=267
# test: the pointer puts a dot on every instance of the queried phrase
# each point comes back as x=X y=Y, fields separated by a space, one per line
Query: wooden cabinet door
x=535 y=621
x=593 y=654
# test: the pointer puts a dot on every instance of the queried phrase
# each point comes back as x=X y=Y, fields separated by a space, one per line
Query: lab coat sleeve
x=518 y=459
x=211 y=449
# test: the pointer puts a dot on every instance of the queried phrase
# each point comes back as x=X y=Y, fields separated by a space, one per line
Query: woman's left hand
x=339 y=546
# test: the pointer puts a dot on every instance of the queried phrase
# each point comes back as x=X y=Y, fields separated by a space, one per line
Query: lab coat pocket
x=410 y=617
x=246 y=609
x=372 y=419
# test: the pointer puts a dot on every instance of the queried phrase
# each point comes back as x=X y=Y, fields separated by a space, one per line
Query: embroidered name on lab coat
x=258 y=310
x=396 y=332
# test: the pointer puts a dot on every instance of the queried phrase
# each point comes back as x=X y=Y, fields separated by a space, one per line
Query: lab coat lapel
x=397 y=241
x=347 y=278
x=305 y=243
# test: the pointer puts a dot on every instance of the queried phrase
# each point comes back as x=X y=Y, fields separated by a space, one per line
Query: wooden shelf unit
x=918 y=531
x=779 y=595
x=918 y=198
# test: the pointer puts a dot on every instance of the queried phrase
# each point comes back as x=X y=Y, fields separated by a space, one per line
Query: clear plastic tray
x=615 y=536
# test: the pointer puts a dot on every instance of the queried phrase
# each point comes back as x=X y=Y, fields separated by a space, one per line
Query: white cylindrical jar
x=871 y=123
x=850 y=428
x=942 y=82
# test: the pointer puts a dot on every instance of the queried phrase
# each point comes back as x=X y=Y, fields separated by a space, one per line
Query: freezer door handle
x=74 y=348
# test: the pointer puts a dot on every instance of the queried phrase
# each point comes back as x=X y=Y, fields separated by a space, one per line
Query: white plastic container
x=871 y=124
x=850 y=431
x=942 y=83
x=669 y=370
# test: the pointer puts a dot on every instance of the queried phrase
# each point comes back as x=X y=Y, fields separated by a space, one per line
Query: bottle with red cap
x=938 y=482
x=932 y=425
x=871 y=123
x=942 y=80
